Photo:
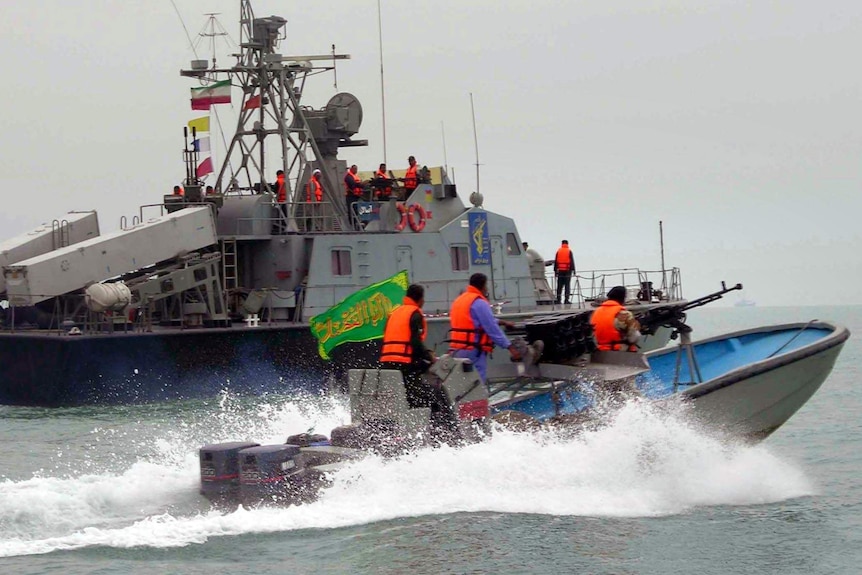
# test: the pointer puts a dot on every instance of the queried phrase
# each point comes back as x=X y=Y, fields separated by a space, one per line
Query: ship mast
x=475 y=140
x=270 y=112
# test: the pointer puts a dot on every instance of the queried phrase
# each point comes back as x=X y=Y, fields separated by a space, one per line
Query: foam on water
x=646 y=462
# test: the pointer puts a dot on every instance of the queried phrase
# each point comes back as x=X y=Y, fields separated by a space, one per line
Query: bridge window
x=460 y=258
x=513 y=248
x=341 y=263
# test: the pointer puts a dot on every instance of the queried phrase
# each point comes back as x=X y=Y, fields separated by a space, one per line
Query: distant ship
x=745 y=303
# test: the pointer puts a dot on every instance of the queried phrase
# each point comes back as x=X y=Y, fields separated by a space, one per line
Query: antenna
x=445 y=160
x=382 y=90
x=334 y=70
x=185 y=29
x=212 y=33
x=661 y=244
x=475 y=140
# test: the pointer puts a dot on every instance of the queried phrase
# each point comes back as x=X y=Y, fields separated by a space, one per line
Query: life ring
x=416 y=226
x=403 y=223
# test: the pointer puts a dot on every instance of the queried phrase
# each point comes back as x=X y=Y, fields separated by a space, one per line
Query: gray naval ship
x=213 y=290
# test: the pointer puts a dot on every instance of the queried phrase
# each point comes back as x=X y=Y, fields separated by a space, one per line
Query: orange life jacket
x=313 y=184
x=383 y=192
x=396 y=336
x=564 y=259
x=464 y=334
x=282 y=190
x=355 y=187
x=608 y=338
x=410 y=178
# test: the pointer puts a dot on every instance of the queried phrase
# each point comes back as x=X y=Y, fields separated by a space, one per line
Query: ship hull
x=56 y=370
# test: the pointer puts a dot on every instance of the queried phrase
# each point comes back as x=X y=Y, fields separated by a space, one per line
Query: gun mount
x=673 y=316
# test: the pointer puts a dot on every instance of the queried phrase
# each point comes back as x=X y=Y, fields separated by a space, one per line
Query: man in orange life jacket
x=404 y=349
x=411 y=178
x=614 y=327
x=475 y=330
x=179 y=191
x=280 y=187
x=314 y=189
x=564 y=267
x=281 y=198
x=313 y=195
x=353 y=193
x=382 y=184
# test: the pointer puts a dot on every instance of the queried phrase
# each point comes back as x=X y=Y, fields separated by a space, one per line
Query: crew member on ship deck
x=411 y=177
x=382 y=184
x=474 y=329
x=353 y=193
x=564 y=267
x=281 y=199
x=313 y=197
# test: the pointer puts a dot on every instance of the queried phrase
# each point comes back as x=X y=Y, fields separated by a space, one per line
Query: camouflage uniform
x=628 y=326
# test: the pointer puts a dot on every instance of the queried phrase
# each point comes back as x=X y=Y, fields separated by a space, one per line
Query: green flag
x=360 y=316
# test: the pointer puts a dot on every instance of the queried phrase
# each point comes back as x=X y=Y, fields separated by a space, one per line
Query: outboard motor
x=264 y=471
x=220 y=470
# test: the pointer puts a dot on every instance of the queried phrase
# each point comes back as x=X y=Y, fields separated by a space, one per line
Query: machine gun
x=674 y=316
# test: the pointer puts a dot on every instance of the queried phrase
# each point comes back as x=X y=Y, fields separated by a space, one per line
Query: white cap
x=315 y=172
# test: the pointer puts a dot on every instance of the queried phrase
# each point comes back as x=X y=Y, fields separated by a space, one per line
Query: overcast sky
x=736 y=123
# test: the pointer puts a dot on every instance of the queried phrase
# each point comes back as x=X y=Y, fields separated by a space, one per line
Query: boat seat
x=378 y=395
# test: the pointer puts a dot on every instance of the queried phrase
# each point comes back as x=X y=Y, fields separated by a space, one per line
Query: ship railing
x=439 y=296
x=304 y=217
x=68 y=316
x=643 y=285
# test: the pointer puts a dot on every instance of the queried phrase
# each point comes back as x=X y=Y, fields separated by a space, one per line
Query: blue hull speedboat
x=746 y=383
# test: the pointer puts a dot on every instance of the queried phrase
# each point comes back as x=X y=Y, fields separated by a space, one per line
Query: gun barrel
x=670 y=315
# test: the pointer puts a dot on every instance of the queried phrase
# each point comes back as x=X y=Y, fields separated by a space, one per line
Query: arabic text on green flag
x=360 y=316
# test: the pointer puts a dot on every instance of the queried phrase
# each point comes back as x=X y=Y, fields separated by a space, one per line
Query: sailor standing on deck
x=475 y=330
x=615 y=328
x=281 y=198
x=314 y=189
x=382 y=184
x=564 y=267
x=537 y=262
x=404 y=349
x=353 y=193
x=314 y=195
x=411 y=177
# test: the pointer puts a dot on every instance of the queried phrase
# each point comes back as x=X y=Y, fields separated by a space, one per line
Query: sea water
x=114 y=490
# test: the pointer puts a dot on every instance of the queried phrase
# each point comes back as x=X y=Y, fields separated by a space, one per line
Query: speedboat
x=744 y=384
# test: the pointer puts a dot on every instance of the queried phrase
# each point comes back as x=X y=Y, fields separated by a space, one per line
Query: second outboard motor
x=263 y=472
x=220 y=470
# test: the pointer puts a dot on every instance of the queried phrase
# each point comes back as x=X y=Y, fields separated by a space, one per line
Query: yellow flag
x=200 y=124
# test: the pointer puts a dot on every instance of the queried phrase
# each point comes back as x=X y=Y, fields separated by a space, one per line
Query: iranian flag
x=218 y=93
